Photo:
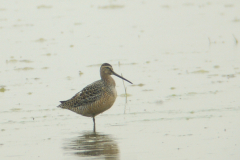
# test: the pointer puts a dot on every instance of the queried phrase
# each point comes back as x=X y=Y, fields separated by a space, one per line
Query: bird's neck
x=108 y=79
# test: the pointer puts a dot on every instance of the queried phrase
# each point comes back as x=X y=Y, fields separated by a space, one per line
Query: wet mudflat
x=183 y=58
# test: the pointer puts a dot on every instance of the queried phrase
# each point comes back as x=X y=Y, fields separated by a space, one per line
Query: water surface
x=183 y=58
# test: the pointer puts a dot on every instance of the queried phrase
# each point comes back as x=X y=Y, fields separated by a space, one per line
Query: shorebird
x=96 y=97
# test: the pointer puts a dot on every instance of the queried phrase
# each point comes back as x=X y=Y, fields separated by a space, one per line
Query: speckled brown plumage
x=96 y=97
x=92 y=100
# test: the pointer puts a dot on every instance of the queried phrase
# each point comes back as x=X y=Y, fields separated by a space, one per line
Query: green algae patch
x=41 y=40
x=201 y=71
x=80 y=73
x=48 y=54
x=2 y=89
x=125 y=95
x=24 y=69
x=44 y=7
x=26 y=61
x=191 y=93
x=11 y=61
x=15 y=109
x=138 y=85
x=111 y=7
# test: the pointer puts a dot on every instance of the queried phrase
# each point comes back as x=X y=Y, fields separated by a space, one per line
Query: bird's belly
x=105 y=105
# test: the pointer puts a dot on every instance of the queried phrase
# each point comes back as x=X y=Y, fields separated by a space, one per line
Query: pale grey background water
x=182 y=56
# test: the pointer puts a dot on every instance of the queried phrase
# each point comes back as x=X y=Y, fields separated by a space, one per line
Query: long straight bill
x=121 y=77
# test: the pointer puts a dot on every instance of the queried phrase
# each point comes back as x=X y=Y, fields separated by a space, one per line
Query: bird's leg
x=94 y=127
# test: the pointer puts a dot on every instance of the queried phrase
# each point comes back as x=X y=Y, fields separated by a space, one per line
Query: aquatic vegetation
x=2 y=89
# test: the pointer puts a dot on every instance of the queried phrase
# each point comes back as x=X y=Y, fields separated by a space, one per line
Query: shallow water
x=183 y=58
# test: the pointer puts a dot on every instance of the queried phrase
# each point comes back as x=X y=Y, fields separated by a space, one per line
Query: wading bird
x=96 y=97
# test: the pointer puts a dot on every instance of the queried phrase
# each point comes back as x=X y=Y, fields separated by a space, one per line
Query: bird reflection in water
x=93 y=144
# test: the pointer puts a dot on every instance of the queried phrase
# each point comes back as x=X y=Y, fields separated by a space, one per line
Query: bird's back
x=92 y=100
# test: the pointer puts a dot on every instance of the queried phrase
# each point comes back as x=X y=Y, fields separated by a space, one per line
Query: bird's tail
x=62 y=104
